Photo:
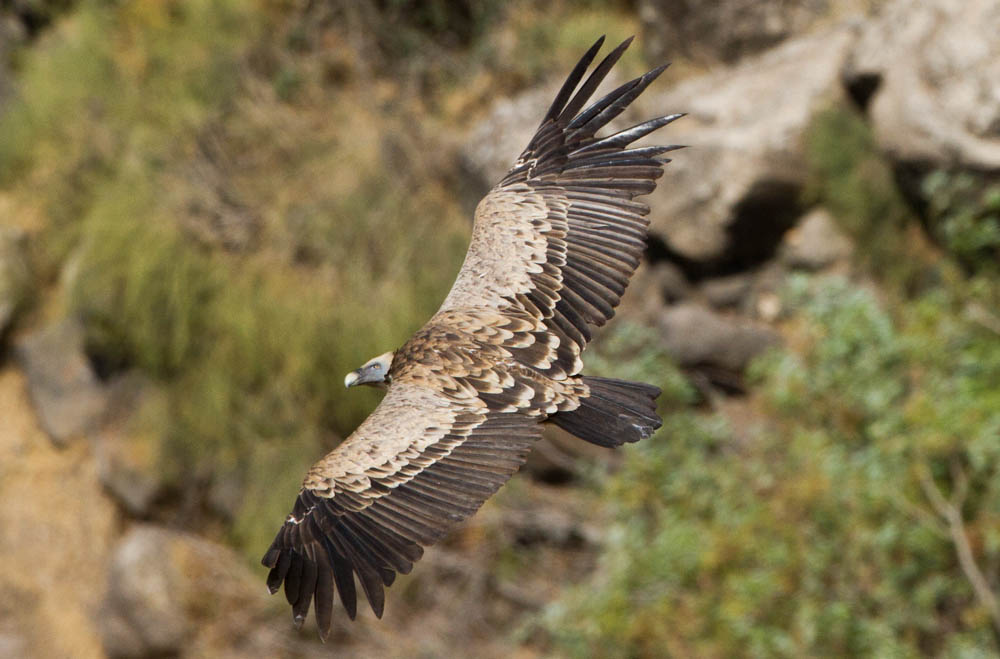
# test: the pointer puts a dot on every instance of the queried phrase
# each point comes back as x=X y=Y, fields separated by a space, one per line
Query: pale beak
x=351 y=379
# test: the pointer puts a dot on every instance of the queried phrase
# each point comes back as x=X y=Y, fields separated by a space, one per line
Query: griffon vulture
x=553 y=247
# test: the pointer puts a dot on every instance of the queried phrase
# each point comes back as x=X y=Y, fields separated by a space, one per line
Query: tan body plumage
x=553 y=247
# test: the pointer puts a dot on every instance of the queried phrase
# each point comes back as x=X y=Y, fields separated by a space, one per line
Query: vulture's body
x=553 y=247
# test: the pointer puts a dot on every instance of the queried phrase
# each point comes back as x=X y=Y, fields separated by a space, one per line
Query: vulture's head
x=375 y=372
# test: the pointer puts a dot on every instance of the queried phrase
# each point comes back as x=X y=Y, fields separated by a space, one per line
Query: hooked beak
x=364 y=375
x=352 y=378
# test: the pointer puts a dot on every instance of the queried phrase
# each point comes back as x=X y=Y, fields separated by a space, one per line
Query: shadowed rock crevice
x=760 y=220
x=861 y=87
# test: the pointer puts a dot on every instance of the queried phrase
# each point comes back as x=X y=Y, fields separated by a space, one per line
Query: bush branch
x=951 y=512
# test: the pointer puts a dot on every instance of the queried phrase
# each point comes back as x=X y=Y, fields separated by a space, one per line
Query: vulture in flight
x=553 y=247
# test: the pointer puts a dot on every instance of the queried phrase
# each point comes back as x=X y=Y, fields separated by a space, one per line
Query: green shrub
x=815 y=536
x=964 y=215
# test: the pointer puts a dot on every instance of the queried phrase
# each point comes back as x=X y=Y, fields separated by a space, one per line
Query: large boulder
x=718 y=346
x=165 y=588
x=725 y=202
x=126 y=453
x=929 y=73
x=815 y=242
x=493 y=144
x=65 y=392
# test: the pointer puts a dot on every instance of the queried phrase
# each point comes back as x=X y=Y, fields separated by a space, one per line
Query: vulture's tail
x=615 y=412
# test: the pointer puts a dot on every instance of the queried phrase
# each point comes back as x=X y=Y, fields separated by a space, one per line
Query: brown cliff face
x=58 y=528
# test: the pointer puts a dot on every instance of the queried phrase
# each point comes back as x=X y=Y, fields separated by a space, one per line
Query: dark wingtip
x=297 y=620
x=566 y=91
x=623 y=46
x=270 y=559
x=653 y=74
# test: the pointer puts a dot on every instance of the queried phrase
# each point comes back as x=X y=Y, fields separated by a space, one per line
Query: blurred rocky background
x=210 y=210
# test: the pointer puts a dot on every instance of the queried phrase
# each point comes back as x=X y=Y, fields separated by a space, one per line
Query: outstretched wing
x=422 y=462
x=559 y=237
x=553 y=247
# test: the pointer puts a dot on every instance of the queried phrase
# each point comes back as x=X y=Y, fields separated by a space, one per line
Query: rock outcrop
x=929 y=74
x=719 y=346
x=156 y=602
x=728 y=198
x=731 y=195
x=67 y=396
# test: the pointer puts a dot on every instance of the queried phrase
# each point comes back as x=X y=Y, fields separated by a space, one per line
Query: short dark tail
x=615 y=412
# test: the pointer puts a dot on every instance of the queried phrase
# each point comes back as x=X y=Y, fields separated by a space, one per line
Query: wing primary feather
x=400 y=554
x=324 y=597
x=424 y=504
x=389 y=555
x=616 y=251
x=300 y=608
x=402 y=526
x=571 y=82
x=271 y=557
x=279 y=571
x=371 y=583
x=294 y=577
x=639 y=154
x=625 y=137
x=596 y=77
x=614 y=104
x=343 y=576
